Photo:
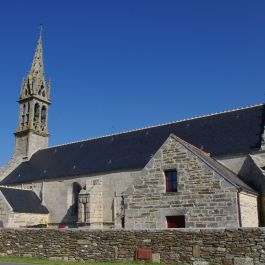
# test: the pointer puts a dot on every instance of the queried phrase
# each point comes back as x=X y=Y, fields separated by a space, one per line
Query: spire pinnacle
x=37 y=68
x=35 y=83
x=41 y=29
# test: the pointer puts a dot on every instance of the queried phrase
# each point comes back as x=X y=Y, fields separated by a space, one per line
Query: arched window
x=76 y=189
x=27 y=90
x=36 y=112
x=24 y=109
x=27 y=110
x=43 y=115
x=36 y=115
x=23 y=115
x=41 y=91
x=26 y=119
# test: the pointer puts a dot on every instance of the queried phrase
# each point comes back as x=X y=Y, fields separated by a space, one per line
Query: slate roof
x=222 y=170
x=231 y=132
x=23 y=201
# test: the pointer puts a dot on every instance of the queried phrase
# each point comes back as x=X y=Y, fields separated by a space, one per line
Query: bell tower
x=32 y=131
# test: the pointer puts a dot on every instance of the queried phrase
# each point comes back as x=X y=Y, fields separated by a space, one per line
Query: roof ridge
x=193 y=147
x=15 y=188
x=153 y=126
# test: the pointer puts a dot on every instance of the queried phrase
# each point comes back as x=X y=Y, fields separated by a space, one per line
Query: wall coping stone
x=244 y=229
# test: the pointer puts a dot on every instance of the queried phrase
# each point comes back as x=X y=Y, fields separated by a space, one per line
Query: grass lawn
x=61 y=262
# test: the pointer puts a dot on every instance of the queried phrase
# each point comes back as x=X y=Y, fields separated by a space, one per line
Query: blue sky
x=119 y=65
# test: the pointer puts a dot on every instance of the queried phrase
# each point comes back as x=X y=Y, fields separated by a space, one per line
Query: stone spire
x=32 y=132
x=37 y=69
x=35 y=83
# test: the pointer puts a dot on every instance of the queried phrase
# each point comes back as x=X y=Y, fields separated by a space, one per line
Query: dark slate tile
x=23 y=201
x=226 y=133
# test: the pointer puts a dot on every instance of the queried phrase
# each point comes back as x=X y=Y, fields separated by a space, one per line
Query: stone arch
x=36 y=114
x=41 y=91
x=24 y=108
x=28 y=90
x=36 y=111
x=27 y=113
x=23 y=113
x=76 y=188
x=43 y=115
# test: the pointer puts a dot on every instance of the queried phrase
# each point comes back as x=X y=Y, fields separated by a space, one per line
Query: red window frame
x=171 y=180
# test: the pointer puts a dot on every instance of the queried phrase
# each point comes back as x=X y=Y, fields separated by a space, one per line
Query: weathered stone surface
x=227 y=261
x=82 y=241
x=248 y=209
x=90 y=205
x=243 y=261
x=201 y=263
x=196 y=251
x=221 y=249
x=156 y=257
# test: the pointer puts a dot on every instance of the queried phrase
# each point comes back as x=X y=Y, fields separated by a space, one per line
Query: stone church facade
x=197 y=173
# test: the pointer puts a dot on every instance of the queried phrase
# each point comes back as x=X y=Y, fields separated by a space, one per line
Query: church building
x=201 y=172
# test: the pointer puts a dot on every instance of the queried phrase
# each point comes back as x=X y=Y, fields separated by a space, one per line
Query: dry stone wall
x=186 y=246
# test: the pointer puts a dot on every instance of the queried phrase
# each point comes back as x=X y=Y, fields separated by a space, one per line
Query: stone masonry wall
x=186 y=246
x=26 y=145
x=57 y=194
x=90 y=205
x=95 y=211
x=5 y=209
x=248 y=210
x=17 y=220
x=205 y=198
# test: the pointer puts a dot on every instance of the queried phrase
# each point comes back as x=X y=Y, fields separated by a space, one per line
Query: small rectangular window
x=123 y=222
x=175 y=221
x=171 y=181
